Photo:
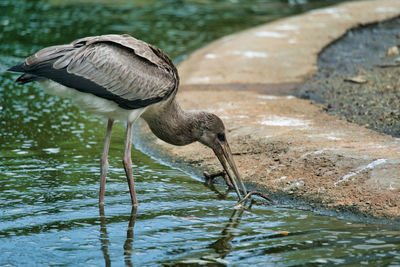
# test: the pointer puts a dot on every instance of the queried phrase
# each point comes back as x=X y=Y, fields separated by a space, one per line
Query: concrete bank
x=285 y=145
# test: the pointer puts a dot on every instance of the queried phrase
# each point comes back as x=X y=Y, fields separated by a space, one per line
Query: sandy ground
x=283 y=145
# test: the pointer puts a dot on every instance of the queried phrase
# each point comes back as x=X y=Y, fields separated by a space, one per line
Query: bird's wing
x=116 y=67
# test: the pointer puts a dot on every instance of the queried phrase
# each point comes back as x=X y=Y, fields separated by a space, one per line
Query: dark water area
x=50 y=151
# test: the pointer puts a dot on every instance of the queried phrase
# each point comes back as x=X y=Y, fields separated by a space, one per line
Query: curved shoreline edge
x=285 y=146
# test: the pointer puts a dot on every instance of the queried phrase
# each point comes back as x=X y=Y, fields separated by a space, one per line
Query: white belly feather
x=92 y=103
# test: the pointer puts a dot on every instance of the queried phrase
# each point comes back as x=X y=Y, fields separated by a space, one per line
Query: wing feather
x=117 y=67
x=122 y=72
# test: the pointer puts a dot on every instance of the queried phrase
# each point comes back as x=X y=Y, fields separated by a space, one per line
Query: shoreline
x=285 y=145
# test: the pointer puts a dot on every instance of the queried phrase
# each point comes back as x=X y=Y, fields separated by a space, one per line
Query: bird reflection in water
x=105 y=242
x=222 y=246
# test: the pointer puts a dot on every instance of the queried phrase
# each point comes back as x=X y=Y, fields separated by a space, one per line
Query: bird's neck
x=169 y=122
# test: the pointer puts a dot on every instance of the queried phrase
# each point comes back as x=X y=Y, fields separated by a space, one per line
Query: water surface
x=50 y=150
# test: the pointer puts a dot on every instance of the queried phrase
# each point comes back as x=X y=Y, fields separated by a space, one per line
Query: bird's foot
x=210 y=178
x=249 y=194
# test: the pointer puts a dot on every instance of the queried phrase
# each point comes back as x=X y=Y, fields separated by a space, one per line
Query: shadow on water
x=50 y=150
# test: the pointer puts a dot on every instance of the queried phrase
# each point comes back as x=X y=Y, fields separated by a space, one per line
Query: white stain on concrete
x=390 y=187
x=250 y=54
x=274 y=97
x=210 y=56
x=317 y=152
x=334 y=12
x=329 y=136
x=286 y=27
x=284 y=121
x=363 y=168
x=270 y=34
x=269 y=97
x=199 y=79
x=234 y=117
x=387 y=10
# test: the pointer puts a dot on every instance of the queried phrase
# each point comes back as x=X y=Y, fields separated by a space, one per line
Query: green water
x=50 y=150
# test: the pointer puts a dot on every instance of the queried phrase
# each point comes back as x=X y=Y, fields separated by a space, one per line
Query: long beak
x=224 y=155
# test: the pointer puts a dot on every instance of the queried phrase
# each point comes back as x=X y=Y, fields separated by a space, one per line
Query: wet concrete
x=282 y=144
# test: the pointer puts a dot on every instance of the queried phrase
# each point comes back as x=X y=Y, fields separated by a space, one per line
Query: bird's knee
x=127 y=161
x=104 y=164
x=104 y=161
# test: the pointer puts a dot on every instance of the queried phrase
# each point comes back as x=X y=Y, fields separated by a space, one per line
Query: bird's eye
x=221 y=137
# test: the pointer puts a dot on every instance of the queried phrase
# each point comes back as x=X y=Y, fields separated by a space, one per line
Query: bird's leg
x=104 y=161
x=127 y=161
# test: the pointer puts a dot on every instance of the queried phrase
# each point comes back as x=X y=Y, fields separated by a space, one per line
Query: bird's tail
x=17 y=68
x=27 y=78
x=24 y=78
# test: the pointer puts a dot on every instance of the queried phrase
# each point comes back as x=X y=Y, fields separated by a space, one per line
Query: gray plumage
x=122 y=77
x=120 y=68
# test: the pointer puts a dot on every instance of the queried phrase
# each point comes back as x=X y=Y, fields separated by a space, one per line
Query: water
x=50 y=150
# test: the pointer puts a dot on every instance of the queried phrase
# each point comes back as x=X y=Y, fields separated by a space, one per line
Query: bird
x=124 y=78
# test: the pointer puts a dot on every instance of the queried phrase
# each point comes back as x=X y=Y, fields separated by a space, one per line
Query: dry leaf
x=357 y=79
x=393 y=51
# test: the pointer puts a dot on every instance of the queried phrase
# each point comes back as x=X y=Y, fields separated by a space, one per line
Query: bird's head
x=213 y=135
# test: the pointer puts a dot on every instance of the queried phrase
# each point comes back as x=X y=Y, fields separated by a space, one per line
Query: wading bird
x=123 y=78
